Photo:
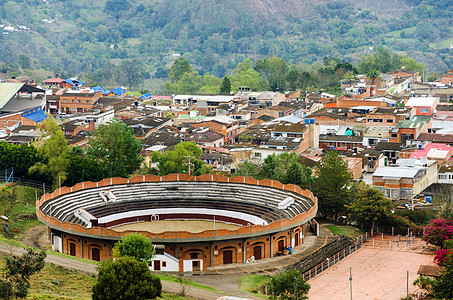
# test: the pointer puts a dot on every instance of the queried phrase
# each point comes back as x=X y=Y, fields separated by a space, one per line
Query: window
x=164 y=264
x=73 y=109
x=87 y=101
x=442 y=176
x=257 y=154
x=423 y=110
x=78 y=101
x=389 y=121
x=394 y=135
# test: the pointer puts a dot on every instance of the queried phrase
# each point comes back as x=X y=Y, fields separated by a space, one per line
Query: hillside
x=84 y=37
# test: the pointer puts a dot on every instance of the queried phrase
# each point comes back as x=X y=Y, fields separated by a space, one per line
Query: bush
x=126 y=278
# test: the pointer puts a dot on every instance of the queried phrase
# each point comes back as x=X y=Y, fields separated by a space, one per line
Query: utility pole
x=350 y=280
x=189 y=157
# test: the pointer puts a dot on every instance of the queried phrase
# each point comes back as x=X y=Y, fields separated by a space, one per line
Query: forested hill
x=84 y=36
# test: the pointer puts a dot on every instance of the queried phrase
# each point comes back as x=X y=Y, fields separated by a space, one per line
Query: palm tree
x=373 y=74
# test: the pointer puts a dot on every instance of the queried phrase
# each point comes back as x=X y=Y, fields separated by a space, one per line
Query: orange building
x=72 y=103
x=269 y=217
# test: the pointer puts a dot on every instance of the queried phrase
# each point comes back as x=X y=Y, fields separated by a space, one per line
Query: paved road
x=89 y=269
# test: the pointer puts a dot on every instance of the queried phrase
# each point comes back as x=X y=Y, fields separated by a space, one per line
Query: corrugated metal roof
x=7 y=91
x=404 y=172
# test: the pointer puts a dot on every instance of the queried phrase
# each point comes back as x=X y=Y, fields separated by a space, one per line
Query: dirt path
x=36 y=237
x=89 y=269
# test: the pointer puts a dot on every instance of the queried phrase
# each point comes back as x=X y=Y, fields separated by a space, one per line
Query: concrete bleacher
x=256 y=200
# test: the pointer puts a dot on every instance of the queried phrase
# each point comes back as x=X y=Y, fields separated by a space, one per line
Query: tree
x=443 y=287
x=369 y=206
x=177 y=161
x=248 y=169
x=288 y=285
x=179 y=68
x=83 y=168
x=438 y=231
x=23 y=61
x=116 y=146
x=126 y=279
x=136 y=246
x=245 y=75
x=274 y=71
x=225 y=86
x=332 y=180
x=373 y=74
x=17 y=272
x=54 y=148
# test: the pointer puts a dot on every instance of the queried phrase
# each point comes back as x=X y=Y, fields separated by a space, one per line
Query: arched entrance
x=95 y=254
x=227 y=257
x=296 y=237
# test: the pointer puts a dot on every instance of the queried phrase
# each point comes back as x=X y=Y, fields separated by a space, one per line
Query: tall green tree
x=245 y=76
x=248 y=169
x=368 y=206
x=17 y=271
x=333 y=178
x=115 y=145
x=288 y=285
x=373 y=74
x=225 y=86
x=83 y=168
x=177 y=161
x=179 y=68
x=54 y=148
x=126 y=279
x=136 y=246
x=274 y=71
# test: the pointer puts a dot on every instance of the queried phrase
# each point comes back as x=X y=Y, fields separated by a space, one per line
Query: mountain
x=84 y=37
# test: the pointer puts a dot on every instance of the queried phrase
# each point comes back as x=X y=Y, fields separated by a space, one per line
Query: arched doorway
x=72 y=249
x=227 y=257
x=95 y=254
x=257 y=252
x=296 y=237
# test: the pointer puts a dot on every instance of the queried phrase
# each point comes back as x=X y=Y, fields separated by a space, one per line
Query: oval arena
x=194 y=222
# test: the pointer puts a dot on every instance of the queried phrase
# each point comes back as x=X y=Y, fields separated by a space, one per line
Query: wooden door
x=257 y=252
x=281 y=245
x=95 y=254
x=157 y=265
x=195 y=265
x=296 y=237
x=72 y=249
x=227 y=257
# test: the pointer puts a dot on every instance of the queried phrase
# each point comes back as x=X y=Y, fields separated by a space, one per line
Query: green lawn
x=254 y=283
x=18 y=204
x=347 y=230
x=188 y=282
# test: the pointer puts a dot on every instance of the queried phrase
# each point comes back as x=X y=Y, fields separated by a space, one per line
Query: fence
x=31 y=183
x=401 y=239
x=337 y=257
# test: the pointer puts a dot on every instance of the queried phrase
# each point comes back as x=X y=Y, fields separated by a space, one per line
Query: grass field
x=347 y=230
x=253 y=283
x=18 y=204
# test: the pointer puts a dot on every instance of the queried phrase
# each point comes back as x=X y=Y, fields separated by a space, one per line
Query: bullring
x=264 y=216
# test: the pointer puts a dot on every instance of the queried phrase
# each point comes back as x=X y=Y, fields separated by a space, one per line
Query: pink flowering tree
x=438 y=231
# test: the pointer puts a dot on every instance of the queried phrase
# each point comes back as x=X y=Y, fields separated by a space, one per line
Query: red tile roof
x=53 y=80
